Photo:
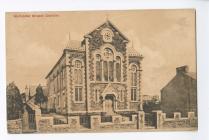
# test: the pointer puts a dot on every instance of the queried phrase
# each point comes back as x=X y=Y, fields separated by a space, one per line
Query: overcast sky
x=166 y=39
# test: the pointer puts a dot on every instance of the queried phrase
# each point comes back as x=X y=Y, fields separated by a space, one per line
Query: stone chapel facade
x=99 y=75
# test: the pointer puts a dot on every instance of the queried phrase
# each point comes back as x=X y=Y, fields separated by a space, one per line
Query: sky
x=35 y=41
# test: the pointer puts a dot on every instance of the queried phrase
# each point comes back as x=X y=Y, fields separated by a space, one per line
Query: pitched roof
x=74 y=45
x=70 y=45
x=191 y=74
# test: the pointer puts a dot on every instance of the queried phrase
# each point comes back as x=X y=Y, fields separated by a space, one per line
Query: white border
x=202 y=7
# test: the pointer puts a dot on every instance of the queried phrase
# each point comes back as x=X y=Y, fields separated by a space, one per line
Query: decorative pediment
x=107 y=33
x=109 y=89
x=107 y=26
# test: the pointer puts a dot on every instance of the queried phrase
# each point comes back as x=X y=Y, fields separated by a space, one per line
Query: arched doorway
x=109 y=104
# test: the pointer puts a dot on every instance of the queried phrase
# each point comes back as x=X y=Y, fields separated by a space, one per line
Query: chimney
x=182 y=69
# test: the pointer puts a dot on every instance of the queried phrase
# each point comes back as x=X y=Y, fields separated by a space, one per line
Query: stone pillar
x=163 y=117
x=25 y=123
x=116 y=119
x=192 y=121
x=95 y=122
x=141 y=120
x=191 y=115
x=134 y=118
x=159 y=117
x=37 y=117
x=73 y=122
x=177 y=115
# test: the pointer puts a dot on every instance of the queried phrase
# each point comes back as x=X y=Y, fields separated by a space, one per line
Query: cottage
x=180 y=94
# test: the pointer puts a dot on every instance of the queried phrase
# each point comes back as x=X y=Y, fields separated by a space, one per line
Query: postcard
x=101 y=71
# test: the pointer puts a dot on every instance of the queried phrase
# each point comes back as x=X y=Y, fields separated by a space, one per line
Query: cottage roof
x=183 y=72
x=191 y=74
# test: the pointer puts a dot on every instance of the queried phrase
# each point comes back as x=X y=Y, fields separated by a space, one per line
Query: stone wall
x=14 y=126
x=46 y=125
x=181 y=122
x=176 y=122
x=118 y=122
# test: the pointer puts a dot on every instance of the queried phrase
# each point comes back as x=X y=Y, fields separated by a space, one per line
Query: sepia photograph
x=101 y=71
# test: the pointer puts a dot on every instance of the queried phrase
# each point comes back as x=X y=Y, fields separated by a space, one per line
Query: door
x=109 y=105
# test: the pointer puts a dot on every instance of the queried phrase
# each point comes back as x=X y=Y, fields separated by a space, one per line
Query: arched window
x=98 y=68
x=78 y=78
x=78 y=72
x=118 y=68
x=133 y=83
x=108 y=65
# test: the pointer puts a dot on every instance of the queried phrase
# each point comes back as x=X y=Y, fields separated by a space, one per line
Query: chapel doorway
x=109 y=104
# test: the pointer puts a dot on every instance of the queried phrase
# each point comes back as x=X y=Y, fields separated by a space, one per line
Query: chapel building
x=98 y=75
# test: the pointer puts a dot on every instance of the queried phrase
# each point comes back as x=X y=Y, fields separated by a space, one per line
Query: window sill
x=106 y=82
x=79 y=102
x=134 y=101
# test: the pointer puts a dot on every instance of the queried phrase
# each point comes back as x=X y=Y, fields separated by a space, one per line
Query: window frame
x=134 y=82
x=78 y=81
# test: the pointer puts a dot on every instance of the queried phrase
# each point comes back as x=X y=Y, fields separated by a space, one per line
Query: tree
x=39 y=96
x=14 y=102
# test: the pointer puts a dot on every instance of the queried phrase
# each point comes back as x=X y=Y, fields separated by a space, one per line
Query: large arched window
x=98 y=68
x=118 y=68
x=108 y=65
x=133 y=82
x=78 y=79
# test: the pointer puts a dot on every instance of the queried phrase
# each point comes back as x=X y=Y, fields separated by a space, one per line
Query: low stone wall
x=118 y=123
x=176 y=122
x=14 y=126
x=46 y=125
x=179 y=122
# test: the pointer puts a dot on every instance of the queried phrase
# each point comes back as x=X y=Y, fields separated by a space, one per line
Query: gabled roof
x=74 y=45
x=108 y=23
x=193 y=75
